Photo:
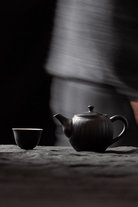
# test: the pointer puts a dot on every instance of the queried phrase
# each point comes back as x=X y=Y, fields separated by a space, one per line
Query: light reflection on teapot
x=91 y=131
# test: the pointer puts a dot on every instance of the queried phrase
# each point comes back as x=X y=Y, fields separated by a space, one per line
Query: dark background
x=25 y=36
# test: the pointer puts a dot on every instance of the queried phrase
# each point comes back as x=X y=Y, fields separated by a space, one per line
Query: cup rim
x=27 y=129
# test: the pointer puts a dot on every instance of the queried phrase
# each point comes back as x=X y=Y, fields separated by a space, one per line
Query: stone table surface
x=56 y=176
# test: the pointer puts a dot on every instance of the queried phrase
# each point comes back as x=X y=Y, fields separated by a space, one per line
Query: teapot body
x=91 y=131
x=91 y=134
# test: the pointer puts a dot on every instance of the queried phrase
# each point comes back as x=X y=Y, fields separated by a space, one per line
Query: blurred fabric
x=97 y=42
x=94 y=60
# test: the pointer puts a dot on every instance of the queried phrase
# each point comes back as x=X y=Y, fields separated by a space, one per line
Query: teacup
x=27 y=138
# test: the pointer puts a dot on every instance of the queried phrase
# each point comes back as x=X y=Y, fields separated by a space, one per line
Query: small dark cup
x=27 y=138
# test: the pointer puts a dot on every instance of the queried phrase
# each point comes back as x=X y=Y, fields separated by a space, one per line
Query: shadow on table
x=122 y=150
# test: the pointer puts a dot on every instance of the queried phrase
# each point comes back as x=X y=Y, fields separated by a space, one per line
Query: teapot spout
x=66 y=124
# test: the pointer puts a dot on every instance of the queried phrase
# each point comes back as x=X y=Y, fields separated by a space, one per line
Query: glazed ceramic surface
x=27 y=138
x=91 y=131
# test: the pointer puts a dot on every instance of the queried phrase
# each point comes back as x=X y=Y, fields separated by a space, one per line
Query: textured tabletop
x=56 y=176
x=60 y=161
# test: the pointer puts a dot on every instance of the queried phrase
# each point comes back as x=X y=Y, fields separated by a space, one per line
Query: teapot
x=91 y=131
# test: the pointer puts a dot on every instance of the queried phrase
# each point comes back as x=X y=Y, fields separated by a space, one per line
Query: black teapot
x=91 y=131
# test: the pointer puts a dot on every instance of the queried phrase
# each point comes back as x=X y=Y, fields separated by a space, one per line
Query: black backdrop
x=25 y=35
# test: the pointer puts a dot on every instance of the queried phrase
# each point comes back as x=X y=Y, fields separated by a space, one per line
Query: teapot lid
x=90 y=112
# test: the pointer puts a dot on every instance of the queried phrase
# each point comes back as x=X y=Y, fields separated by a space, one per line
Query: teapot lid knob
x=90 y=108
x=90 y=113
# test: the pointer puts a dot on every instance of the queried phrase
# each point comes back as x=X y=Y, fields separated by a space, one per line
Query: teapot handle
x=125 y=127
